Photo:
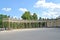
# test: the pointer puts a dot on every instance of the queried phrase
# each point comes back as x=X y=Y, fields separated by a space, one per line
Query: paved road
x=39 y=34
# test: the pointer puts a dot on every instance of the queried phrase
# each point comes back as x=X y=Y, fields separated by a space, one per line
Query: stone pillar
x=45 y=24
x=12 y=24
x=9 y=24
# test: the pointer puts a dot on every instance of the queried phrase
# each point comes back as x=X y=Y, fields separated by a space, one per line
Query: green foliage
x=43 y=24
x=40 y=18
x=26 y=16
x=34 y=16
x=1 y=18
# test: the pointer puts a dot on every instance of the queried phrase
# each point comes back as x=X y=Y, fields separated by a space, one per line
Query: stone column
x=9 y=24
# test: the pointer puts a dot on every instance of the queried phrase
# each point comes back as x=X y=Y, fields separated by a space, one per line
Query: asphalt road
x=39 y=34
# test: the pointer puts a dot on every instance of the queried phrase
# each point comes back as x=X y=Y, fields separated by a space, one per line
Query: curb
x=19 y=30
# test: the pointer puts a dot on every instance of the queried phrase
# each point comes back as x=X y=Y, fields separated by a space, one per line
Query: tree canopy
x=34 y=16
x=27 y=16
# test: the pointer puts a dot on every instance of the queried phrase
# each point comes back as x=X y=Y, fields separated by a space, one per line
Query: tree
x=1 y=18
x=40 y=18
x=26 y=16
x=35 y=16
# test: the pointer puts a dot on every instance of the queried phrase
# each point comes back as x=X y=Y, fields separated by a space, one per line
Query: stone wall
x=53 y=23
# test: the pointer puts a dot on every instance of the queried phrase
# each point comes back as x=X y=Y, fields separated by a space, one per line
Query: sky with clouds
x=43 y=8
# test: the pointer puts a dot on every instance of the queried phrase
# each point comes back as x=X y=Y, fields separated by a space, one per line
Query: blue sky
x=43 y=8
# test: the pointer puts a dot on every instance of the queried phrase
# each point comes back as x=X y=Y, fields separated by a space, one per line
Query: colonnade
x=12 y=24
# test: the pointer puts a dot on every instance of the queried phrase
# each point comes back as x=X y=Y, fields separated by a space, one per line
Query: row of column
x=24 y=25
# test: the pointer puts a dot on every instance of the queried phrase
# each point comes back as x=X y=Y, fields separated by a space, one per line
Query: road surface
x=38 y=34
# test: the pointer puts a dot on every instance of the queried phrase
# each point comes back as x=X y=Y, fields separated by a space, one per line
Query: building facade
x=53 y=22
x=12 y=23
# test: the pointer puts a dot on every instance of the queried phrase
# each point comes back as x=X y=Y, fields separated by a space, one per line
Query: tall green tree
x=26 y=16
x=35 y=16
x=40 y=18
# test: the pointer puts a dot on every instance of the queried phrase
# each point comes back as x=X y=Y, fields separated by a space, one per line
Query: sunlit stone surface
x=38 y=34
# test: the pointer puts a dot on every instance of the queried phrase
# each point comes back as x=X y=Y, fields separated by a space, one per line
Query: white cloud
x=14 y=17
x=43 y=3
x=51 y=14
x=53 y=9
x=23 y=9
x=6 y=9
